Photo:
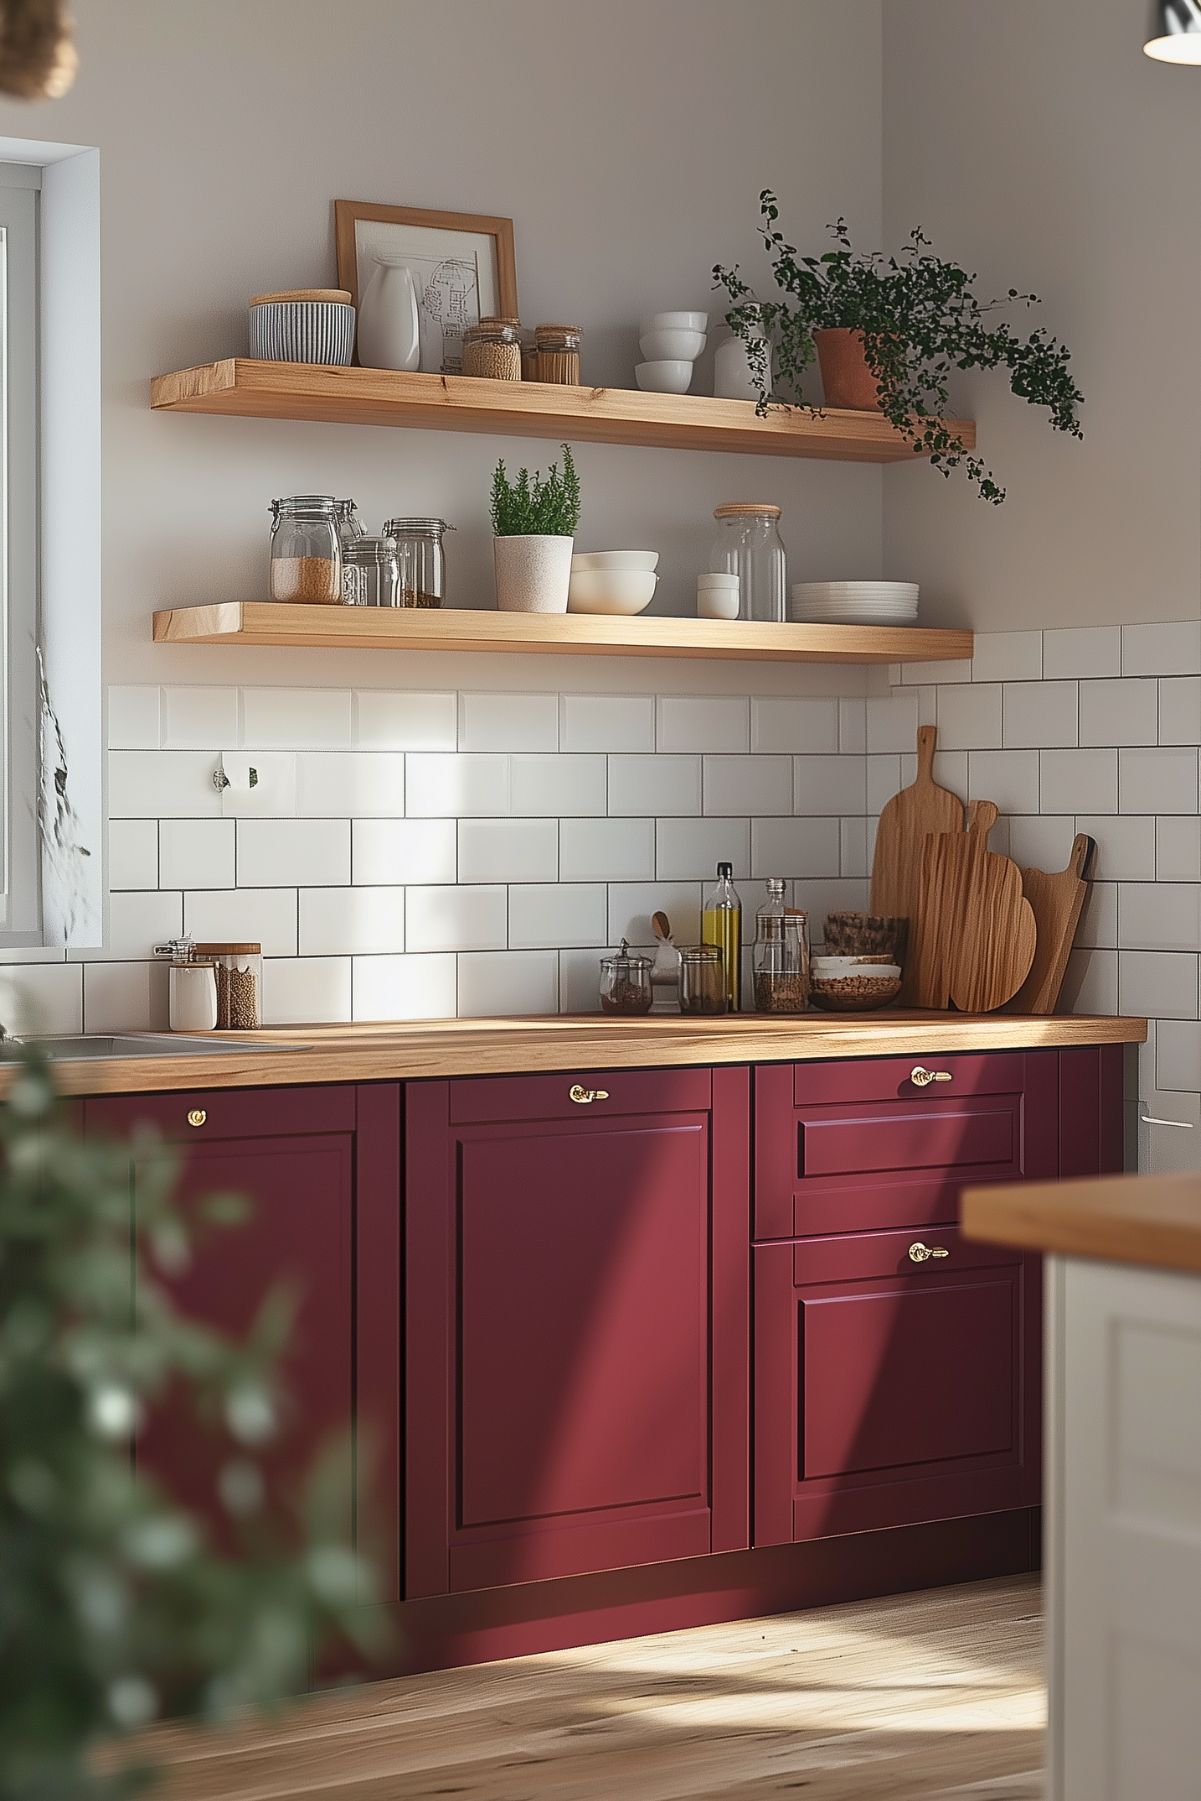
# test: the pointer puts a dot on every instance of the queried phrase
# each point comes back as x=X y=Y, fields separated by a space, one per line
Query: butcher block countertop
x=1154 y=1221
x=580 y=1042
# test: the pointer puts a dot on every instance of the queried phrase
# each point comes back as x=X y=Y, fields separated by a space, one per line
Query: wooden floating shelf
x=561 y=634
x=242 y=388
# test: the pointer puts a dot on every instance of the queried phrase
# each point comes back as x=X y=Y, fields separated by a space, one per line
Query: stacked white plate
x=854 y=603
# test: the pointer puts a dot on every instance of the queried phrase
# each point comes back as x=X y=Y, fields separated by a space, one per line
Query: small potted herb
x=534 y=519
x=887 y=332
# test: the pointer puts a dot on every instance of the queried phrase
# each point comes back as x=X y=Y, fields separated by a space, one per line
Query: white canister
x=192 y=996
x=717 y=596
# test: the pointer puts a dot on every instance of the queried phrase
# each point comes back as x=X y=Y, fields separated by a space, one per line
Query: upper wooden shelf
x=453 y=628
x=240 y=387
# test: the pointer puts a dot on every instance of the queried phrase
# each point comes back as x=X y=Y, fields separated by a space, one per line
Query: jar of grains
x=422 y=559
x=239 y=985
x=306 y=550
x=558 y=353
x=625 y=982
x=371 y=572
x=702 y=979
x=492 y=349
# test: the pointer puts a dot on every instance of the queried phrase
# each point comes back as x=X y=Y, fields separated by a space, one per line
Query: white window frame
x=20 y=860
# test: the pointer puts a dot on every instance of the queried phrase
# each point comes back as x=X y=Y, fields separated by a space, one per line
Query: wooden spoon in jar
x=661 y=926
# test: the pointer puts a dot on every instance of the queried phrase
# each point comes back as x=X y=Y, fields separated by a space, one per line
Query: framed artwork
x=462 y=263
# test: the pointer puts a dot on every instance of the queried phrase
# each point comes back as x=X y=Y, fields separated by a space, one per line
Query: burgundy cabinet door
x=577 y=1329
x=324 y=1224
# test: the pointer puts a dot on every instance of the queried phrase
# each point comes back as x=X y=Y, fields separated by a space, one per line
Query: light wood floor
x=917 y=1698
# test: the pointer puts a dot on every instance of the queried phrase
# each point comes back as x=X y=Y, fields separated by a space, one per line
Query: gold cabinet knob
x=922 y=1078
x=922 y=1253
x=584 y=1097
x=197 y=1116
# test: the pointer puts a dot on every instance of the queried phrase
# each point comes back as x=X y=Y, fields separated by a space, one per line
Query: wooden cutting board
x=905 y=822
x=1058 y=901
x=976 y=932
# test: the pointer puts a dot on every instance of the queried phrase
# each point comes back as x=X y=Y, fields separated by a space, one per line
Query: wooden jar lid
x=734 y=508
x=332 y=296
x=229 y=950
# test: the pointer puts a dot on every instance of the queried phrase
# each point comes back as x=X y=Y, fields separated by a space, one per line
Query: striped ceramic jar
x=293 y=330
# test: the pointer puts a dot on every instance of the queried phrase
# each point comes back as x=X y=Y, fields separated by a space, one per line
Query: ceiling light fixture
x=1175 y=32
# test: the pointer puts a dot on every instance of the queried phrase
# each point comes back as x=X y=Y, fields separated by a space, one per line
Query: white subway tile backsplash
x=1040 y=715
x=852 y=728
x=133 y=853
x=456 y=786
x=410 y=851
x=273 y=794
x=1091 y=650
x=1008 y=777
x=786 y=725
x=1125 y=847
x=1178 y=1055
x=1162 y=649
x=1098 y=926
x=1178 y=850
x=125 y=997
x=1180 y=710
x=1159 y=781
x=508 y=722
x=46 y=997
x=265 y=916
x=133 y=718
x=508 y=850
x=703 y=722
x=1007 y=657
x=1160 y=916
x=690 y=849
x=196 y=853
x=1158 y=984
x=1041 y=841
x=1091 y=982
x=558 y=914
x=607 y=722
x=1119 y=712
x=199 y=718
x=950 y=767
x=405 y=721
x=853 y=847
x=306 y=990
x=883 y=781
x=606 y=850
x=137 y=922
x=892 y=722
x=1079 y=781
x=969 y=717
x=275 y=853
x=665 y=786
x=338 y=922
x=632 y=903
x=354 y=784
x=545 y=786
x=827 y=785
x=162 y=784
x=457 y=919
x=296 y=718
x=797 y=847
x=917 y=675
x=740 y=786
x=403 y=988
x=829 y=895
x=579 y=982
x=495 y=984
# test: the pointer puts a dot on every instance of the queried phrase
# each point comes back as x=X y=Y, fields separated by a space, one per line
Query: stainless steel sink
x=90 y=1046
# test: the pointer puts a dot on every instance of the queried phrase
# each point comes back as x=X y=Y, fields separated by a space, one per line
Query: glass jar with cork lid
x=492 y=349
x=749 y=545
x=306 y=550
x=239 y=985
x=558 y=353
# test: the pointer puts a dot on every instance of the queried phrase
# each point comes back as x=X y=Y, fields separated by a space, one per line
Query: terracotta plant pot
x=846 y=379
x=532 y=573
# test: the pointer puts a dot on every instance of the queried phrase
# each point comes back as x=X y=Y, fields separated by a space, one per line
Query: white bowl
x=646 y=560
x=717 y=603
x=718 y=580
x=655 y=345
x=674 y=322
x=611 y=591
x=671 y=375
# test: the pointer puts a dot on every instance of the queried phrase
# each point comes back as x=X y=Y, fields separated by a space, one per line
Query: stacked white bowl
x=717 y=596
x=670 y=344
x=854 y=603
x=612 y=581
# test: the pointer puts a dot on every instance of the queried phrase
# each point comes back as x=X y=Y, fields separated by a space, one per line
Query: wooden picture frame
x=422 y=228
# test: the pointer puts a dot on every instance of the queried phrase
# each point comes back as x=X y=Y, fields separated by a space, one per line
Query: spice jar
x=558 y=358
x=780 y=959
x=422 y=559
x=239 y=984
x=371 y=572
x=492 y=349
x=749 y=545
x=625 y=984
x=702 y=979
x=306 y=550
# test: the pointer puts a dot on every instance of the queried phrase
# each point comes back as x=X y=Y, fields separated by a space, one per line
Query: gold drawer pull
x=922 y=1078
x=584 y=1097
x=922 y=1253
x=197 y=1116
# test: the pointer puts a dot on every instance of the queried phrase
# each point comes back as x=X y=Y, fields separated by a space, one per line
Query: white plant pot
x=533 y=573
x=389 y=326
x=732 y=375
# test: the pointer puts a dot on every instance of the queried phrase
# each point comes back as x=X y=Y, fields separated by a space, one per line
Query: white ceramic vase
x=533 y=573
x=733 y=378
x=389 y=327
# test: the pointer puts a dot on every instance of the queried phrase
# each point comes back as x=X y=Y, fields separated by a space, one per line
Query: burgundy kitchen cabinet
x=577 y=1324
x=321 y=1169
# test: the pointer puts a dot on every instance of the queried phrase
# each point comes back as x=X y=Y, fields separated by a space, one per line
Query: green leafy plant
x=117 y=1606
x=920 y=319
x=542 y=505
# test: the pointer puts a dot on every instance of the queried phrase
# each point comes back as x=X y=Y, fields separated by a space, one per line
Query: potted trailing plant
x=888 y=331
x=534 y=519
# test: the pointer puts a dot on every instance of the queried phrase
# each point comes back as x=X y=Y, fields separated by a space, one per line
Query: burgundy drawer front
x=890 y=1078
x=483 y=1100
x=228 y=1112
x=873 y=1256
x=881 y=1203
x=859 y=1141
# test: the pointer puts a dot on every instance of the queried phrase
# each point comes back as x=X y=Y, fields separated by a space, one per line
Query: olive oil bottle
x=721 y=924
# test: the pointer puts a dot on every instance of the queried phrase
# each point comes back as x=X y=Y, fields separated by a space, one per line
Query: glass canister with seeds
x=239 y=985
x=306 y=550
x=422 y=559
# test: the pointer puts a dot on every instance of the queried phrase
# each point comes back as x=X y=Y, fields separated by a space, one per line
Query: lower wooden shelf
x=561 y=634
